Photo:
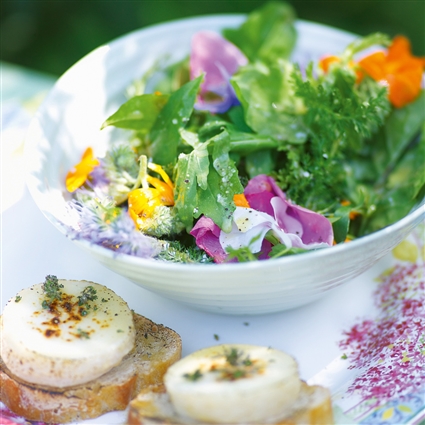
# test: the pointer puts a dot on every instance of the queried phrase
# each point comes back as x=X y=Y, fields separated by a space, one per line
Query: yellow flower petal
x=78 y=175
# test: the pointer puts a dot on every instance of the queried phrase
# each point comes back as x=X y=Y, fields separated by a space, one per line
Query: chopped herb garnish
x=51 y=288
x=247 y=362
x=193 y=376
x=88 y=294
x=238 y=373
x=18 y=298
x=83 y=334
x=216 y=337
x=233 y=356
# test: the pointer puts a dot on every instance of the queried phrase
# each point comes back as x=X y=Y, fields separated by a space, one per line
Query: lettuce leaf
x=269 y=103
x=267 y=34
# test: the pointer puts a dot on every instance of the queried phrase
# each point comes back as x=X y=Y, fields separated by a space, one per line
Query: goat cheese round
x=65 y=336
x=233 y=384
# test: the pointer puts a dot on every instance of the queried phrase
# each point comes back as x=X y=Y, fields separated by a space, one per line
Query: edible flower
x=99 y=221
x=219 y=60
x=79 y=174
x=146 y=204
x=398 y=69
x=326 y=62
x=268 y=211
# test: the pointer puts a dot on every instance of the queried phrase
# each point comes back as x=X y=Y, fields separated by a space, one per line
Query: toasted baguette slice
x=153 y=407
x=157 y=347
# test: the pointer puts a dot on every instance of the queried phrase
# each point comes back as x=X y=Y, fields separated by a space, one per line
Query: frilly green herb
x=88 y=294
x=52 y=290
x=195 y=376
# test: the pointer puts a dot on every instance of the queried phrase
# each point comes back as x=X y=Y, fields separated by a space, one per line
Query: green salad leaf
x=269 y=103
x=174 y=116
x=267 y=34
x=205 y=184
x=138 y=113
x=326 y=133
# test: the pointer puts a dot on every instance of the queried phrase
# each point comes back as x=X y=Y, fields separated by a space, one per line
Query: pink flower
x=263 y=194
x=269 y=211
x=207 y=234
x=219 y=60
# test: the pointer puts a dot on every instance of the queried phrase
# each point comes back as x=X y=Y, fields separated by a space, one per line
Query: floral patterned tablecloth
x=378 y=375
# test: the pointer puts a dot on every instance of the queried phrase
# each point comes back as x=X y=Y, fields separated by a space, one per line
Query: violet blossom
x=219 y=60
x=100 y=222
x=269 y=211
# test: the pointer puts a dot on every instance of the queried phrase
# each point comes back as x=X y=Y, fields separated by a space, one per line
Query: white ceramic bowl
x=69 y=121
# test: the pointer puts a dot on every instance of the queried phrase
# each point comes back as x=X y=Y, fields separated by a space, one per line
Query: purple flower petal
x=311 y=227
x=292 y=225
x=207 y=233
x=263 y=194
x=260 y=191
x=219 y=60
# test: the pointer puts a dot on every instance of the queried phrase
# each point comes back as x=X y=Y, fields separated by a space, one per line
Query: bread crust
x=157 y=347
x=153 y=407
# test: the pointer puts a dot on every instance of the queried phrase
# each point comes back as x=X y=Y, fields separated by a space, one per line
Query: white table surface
x=32 y=248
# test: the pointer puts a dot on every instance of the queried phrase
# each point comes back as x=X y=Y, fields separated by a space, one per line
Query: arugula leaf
x=241 y=142
x=138 y=113
x=206 y=184
x=165 y=132
x=185 y=190
x=199 y=159
x=267 y=34
x=223 y=183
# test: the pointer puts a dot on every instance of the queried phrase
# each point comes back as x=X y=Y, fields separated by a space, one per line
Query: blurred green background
x=52 y=35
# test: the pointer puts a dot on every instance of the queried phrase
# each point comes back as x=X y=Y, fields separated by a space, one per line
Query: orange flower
x=142 y=202
x=240 y=200
x=326 y=62
x=78 y=175
x=398 y=69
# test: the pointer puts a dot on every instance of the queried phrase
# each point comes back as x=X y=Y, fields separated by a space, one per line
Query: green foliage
x=138 y=113
x=334 y=144
x=206 y=183
x=165 y=132
x=179 y=252
x=267 y=34
x=267 y=97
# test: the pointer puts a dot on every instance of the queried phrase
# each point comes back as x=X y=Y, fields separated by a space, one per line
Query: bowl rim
x=412 y=219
